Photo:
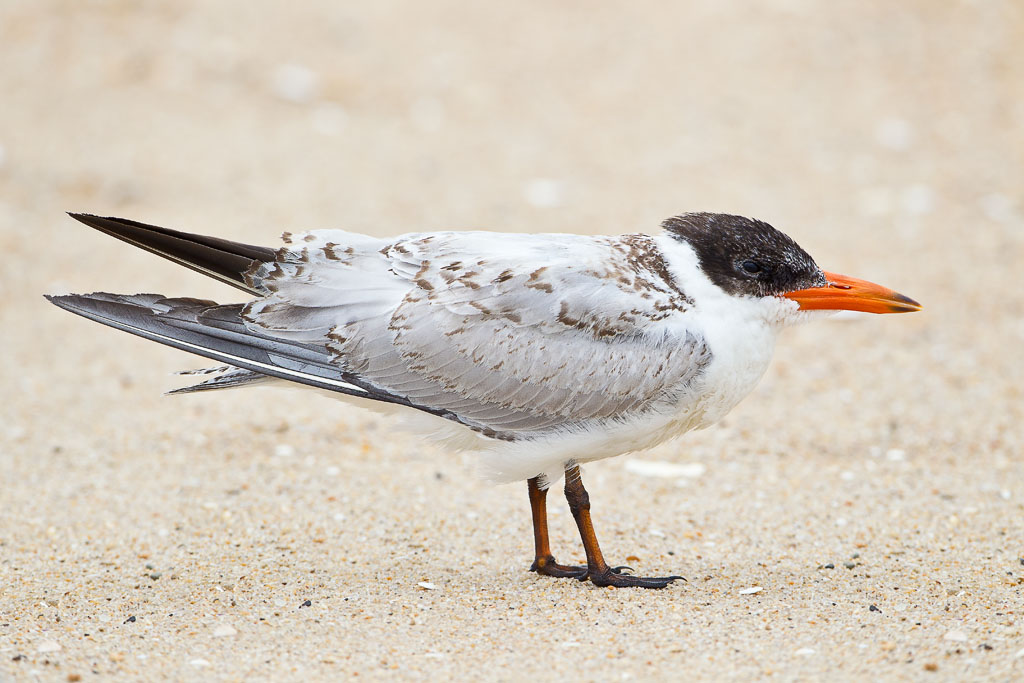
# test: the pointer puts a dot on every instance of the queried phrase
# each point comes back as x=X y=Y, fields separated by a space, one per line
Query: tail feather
x=222 y=259
x=229 y=377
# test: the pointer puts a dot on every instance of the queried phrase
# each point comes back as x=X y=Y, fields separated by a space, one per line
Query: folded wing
x=513 y=334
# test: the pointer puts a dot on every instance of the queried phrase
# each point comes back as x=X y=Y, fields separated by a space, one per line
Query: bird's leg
x=544 y=562
x=598 y=570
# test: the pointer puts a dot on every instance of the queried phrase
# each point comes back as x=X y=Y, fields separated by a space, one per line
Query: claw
x=610 y=578
x=621 y=568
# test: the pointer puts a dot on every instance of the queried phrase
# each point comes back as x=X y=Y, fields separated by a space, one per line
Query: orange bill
x=844 y=293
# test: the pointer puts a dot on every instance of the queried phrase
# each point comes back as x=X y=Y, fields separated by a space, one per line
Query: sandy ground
x=872 y=486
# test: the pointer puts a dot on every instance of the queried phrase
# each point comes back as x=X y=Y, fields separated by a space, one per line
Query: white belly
x=739 y=362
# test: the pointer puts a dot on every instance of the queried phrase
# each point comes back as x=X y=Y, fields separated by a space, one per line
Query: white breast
x=740 y=331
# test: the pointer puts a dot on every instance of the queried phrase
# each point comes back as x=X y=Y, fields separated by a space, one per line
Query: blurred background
x=887 y=138
x=390 y=116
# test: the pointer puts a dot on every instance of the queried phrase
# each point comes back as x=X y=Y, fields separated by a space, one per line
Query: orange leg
x=598 y=570
x=544 y=562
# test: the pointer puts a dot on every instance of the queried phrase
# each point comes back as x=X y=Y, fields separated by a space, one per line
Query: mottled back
x=531 y=333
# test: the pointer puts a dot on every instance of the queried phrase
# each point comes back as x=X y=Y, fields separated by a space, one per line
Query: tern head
x=749 y=258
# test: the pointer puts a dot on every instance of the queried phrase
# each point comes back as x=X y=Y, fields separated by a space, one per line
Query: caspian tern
x=541 y=352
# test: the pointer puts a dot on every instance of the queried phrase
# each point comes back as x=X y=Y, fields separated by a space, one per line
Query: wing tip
x=61 y=300
x=84 y=304
x=112 y=225
x=90 y=219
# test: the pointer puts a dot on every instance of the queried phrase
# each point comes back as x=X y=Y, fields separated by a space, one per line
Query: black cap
x=745 y=256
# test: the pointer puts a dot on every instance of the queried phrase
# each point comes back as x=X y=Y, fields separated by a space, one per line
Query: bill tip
x=908 y=305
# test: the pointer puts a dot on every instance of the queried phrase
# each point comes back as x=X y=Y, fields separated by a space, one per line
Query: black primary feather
x=222 y=259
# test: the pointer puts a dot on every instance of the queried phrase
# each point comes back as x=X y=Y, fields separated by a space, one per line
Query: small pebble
x=956 y=636
x=894 y=133
x=308 y=603
x=804 y=652
x=130 y=620
x=543 y=193
x=931 y=666
x=895 y=455
x=426 y=585
x=199 y=663
x=223 y=631
x=294 y=83
x=849 y=565
x=874 y=609
x=918 y=199
x=48 y=646
x=830 y=566
x=997 y=207
x=283 y=450
x=751 y=590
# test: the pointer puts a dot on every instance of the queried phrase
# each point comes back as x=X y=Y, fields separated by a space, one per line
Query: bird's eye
x=751 y=266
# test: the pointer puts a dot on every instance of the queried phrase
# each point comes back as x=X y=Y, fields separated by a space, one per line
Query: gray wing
x=218 y=332
x=513 y=334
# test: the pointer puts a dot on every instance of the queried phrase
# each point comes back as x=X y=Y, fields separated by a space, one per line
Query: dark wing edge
x=218 y=258
x=217 y=332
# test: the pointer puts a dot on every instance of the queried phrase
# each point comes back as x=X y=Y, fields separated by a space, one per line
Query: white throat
x=740 y=331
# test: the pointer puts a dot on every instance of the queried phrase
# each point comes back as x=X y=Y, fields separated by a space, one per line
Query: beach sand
x=860 y=515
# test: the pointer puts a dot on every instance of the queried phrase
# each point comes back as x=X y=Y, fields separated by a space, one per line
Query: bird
x=540 y=352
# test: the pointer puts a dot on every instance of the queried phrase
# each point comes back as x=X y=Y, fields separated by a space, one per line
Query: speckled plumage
x=531 y=333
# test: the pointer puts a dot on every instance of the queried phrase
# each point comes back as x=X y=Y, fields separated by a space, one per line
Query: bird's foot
x=549 y=567
x=613 y=576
